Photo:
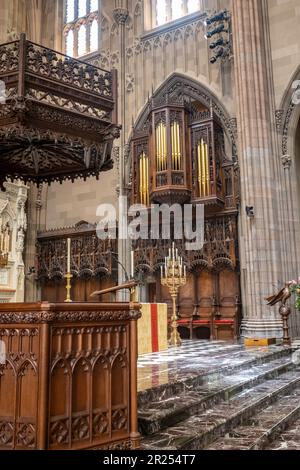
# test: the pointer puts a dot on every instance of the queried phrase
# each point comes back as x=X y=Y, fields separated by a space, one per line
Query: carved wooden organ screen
x=179 y=156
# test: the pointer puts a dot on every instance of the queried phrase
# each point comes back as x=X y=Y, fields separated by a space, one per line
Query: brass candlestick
x=173 y=276
x=68 y=278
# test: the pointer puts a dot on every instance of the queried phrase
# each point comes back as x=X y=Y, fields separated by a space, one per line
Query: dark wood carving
x=69 y=381
x=219 y=250
x=59 y=118
x=93 y=262
x=209 y=305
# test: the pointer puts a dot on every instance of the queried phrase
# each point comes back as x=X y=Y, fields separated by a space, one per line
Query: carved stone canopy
x=57 y=118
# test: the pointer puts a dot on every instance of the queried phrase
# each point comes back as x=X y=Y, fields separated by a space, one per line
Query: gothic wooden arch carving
x=179 y=87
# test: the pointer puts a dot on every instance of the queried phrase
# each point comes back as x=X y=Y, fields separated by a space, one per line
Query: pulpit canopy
x=57 y=115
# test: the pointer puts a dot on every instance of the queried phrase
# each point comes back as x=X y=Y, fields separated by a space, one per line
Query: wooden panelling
x=69 y=381
x=186 y=298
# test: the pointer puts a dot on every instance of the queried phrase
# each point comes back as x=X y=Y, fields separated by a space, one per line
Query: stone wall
x=284 y=17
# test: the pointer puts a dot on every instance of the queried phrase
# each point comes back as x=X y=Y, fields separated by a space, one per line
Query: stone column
x=261 y=236
x=36 y=204
x=121 y=14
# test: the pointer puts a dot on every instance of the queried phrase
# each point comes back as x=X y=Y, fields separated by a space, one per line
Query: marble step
x=212 y=365
x=263 y=428
x=202 y=429
x=287 y=440
x=159 y=415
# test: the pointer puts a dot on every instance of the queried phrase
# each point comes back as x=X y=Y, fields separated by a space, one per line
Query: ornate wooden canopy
x=58 y=118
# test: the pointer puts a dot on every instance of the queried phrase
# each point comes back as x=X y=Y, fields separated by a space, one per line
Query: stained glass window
x=161 y=12
x=82 y=40
x=70 y=43
x=170 y=10
x=177 y=10
x=94 y=36
x=81 y=27
x=94 y=5
x=193 y=6
x=70 y=11
x=81 y=8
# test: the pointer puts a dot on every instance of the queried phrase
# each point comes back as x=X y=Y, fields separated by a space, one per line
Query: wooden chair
x=203 y=317
x=226 y=322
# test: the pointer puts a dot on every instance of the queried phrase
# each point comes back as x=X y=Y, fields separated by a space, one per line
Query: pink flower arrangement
x=295 y=289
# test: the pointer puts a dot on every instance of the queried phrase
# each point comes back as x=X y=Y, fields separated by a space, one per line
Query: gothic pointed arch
x=179 y=87
x=288 y=115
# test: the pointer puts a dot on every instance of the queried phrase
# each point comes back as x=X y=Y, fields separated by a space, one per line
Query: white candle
x=132 y=264
x=69 y=256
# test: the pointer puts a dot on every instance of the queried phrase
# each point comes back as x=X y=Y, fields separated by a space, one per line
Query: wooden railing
x=70 y=376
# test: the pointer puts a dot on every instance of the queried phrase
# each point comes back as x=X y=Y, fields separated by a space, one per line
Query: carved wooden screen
x=69 y=381
x=93 y=264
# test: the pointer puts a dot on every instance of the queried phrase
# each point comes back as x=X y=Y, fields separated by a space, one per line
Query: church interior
x=128 y=127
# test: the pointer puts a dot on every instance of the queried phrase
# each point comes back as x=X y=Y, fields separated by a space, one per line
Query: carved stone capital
x=286 y=161
x=126 y=152
x=120 y=15
x=116 y=156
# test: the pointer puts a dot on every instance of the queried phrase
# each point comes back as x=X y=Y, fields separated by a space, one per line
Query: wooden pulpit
x=69 y=378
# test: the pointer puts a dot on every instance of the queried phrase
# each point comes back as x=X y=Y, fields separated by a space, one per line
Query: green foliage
x=295 y=289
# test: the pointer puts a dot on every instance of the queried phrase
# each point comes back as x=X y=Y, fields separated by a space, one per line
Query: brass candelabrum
x=173 y=276
x=68 y=278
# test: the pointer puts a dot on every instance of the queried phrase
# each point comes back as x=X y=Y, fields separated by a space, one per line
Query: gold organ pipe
x=207 y=171
x=173 y=147
x=199 y=169
x=164 y=134
x=143 y=173
x=178 y=148
x=141 y=179
x=162 y=146
x=158 y=148
x=147 y=181
x=203 y=171
x=144 y=179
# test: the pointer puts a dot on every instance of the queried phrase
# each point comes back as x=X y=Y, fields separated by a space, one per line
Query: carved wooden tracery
x=67 y=382
x=90 y=256
x=59 y=119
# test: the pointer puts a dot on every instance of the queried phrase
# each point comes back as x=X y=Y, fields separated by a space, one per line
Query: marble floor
x=193 y=359
x=216 y=395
